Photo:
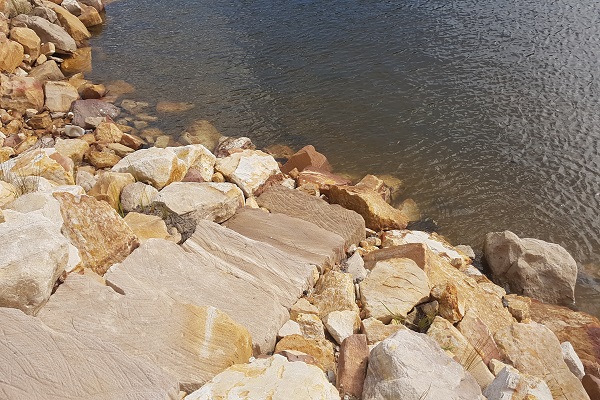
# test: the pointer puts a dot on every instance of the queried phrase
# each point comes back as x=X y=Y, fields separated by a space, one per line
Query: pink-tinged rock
x=20 y=93
x=83 y=109
x=321 y=178
x=306 y=157
x=377 y=185
x=96 y=230
x=352 y=365
x=592 y=386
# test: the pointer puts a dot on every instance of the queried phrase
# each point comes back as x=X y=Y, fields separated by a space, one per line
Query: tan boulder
x=533 y=349
x=138 y=197
x=11 y=54
x=334 y=291
x=451 y=303
x=302 y=306
x=377 y=185
x=108 y=188
x=49 y=33
x=249 y=169
x=48 y=71
x=147 y=226
x=201 y=132
x=8 y=193
x=518 y=306
x=96 y=230
x=342 y=324
x=89 y=16
x=480 y=337
x=37 y=163
x=20 y=93
x=377 y=213
x=103 y=159
x=74 y=27
x=59 y=96
x=107 y=132
x=510 y=384
x=79 y=61
x=158 y=167
x=321 y=178
x=393 y=288
x=28 y=39
x=311 y=326
x=320 y=349
x=72 y=148
x=376 y=331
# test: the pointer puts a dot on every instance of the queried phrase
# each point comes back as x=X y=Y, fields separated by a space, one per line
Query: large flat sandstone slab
x=334 y=218
x=298 y=238
x=38 y=363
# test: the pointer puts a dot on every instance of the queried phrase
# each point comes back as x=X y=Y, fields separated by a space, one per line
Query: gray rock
x=138 y=196
x=511 y=384
x=39 y=363
x=97 y=4
x=414 y=365
x=572 y=360
x=531 y=267
x=355 y=266
x=49 y=32
x=47 y=71
x=83 y=109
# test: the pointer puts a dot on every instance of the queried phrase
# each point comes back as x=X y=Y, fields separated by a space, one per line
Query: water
x=488 y=110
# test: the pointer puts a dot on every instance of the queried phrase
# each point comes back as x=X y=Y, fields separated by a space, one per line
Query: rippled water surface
x=488 y=110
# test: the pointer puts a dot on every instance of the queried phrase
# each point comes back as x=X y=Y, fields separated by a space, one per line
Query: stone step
x=298 y=238
x=191 y=343
x=203 y=279
x=37 y=362
x=334 y=218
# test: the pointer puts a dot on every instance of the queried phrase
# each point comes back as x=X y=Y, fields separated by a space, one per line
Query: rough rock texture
x=96 y=230
x=322 y=179
x=11 y=54
x=148 y=227
x=72 y=148
x=352 y=366
x=572 y=360
x=320 y=349
x=138 y=197
x=205 y=280
x=39 y=363
x=414 y=365
x=311 y=326
x=580 y=329
x=273 y=378
x=533 y=349
x=47 y=71
x=294 y=236
x=201 y=132
x=197 y=158
x=20 y=93
x=74 y=27
x=342 y=324
x=346 y=223
x=306 y=157
x=83 y=109
x=480 y=336
x=376 y=331
x=184 y=204
x=434 y=243
x=393 y=288
x=158 y=167
x=28 y=39
x=334 y=292
x=108 y=187
x=377 y=213
x=37 y=163
x=59 y=96
x=249 y=169
x=532 y=267
x=32 y=257
x=49 y=32
x=510 y=384
x=229 y=145
x=191 y=343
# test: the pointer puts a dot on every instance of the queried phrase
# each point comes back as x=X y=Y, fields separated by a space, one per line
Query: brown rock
x=352 y=366
x=91 y=91
x=320 y=349
x=40 y=121
x=74 y=27
x=108 y=132
x=229 y=145
x=306 y=157
x=518 y=306
x=103 y=159
x=376 y=331
x=20 y=93
x=480 y=337
x=108 y=188
x=132 y=141
x=302 y=306
x=89 y=16
x=11 y=54
x=451 y=304
x=96 y=230
x=321 y=178
x=591 y=385
x=377 y=213
x=28 y=39
x=84 y=109
x=47 y=71
x=377 y=185
x=79 y=61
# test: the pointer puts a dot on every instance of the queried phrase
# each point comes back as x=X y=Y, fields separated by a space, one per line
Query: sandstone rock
x=393 y=288
x=108 y=188
x=580 y=329
x=159 y=167
x=518 y=306
x=30 y=352
x=592 y=386
x=198 y=158
x=229 y=145
x=352 y=366
x=148 y=227
x=377 y=185
x=40 y=121
x=74 y=27
x=72 y=6
x=480 y=337
x=272 y=378
x=294 y=236
x=119 y=149
x=302 y=306
x=413 y=364
x=249 y=169
x=322 y=179
x=377 y=213
x=11 y=54
x=173 y=107
x=79 y=61
x=410 y=209
x=532 y=267
x=103 y=159
x=433 y=242
x=28 y=39
x=183 y=204
x=6 y=153
x=311 y=326
x=96 y=230
x=32 y=257
x=36 y=163
x=511 y=384
x=376 y=331
x=59 y=96
x=8 y=193
x=91 y=91
x=306 y=157
x=334 y=292
x=72 y=148
x=108 y=133
x=572 y=360
x=289 y=328
x=83 y=109
x=49 y=32
x=48 y=71
x=450 y=339
x=201 y=132
x=189 y=342
x=533 y=349
x=355 y=266
x=204 y=280
x=348 y=224
x=342 y=324
x=320 y=349
x=20 y=93
x=97 y=4
x=452 y=305
x=138 y=197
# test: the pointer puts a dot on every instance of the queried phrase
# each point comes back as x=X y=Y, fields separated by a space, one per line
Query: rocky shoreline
x=137 y=265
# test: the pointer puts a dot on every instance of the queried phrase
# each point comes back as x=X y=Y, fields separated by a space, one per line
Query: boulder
x=434 y=243
x=49 y=32
x=306 y=157
x=311 y=326
x=377 y=185
x=72 y=148
x=572 y=360
x=273 y=378
x=36 y=163
x=74 y=27
x=479 y=336
x=96 y=230
x=20 y=93
x=148 y=227
x=90 y=16
x=8 y=193
x=184 y=204
x=378 y=214
x=201 y=132
x=376 y=331
x=28 y=39
x=302 y=306
x=97 y=4
x=346 y=223
x=198 y=158
x=108 y=188
x=320 y=349
x=158 y=167
x=342 y=324
x=103 y=159
x=72 y=6
x=352 y=366
x=138 y=197
x=533 y=349
x=39 y=363
x=355 y=266
x=451 y=303
x=413 y=364
x=393 y=288
x=511 y=384
x=47 y=71
x=229 y=145
x=289 y=328
x=531 y=267
x=11 y=54
x=79 y=61
x=322 y=179
x=334 y=292
x=249 y=169
x=32 y=257
x=189 y=342
x=83 y=109
x=107 y=132
x=59 y=96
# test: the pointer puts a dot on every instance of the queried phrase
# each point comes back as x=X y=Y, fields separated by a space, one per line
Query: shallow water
x=488 y=110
